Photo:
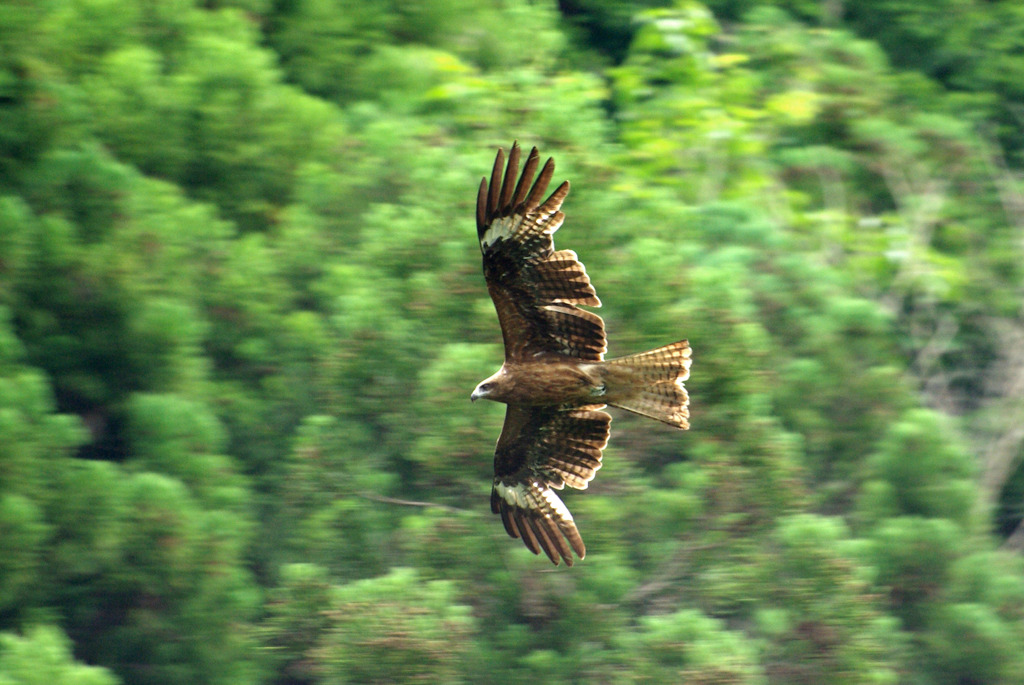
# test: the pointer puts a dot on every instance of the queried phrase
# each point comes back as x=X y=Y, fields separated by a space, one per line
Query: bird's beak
x=475 y=396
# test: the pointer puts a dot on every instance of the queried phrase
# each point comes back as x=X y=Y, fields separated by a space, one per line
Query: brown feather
x=556 y=535
x=555 y=380
x=651 y=383
x=573 y=536
x=536 y=291
x=532 y=160
x=551 y=205
x=526 y=530
x=492 y=198
x=540 y=185
x=509 y=521
x=540 y=449
x=481 y=206
x=539 y=528
x=561 y=278
x=510 y=175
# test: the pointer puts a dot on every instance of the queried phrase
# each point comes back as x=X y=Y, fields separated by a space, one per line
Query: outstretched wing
x=535 y=289
x=541 y=448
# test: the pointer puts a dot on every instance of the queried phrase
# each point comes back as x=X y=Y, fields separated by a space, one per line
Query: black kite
x=555 y=380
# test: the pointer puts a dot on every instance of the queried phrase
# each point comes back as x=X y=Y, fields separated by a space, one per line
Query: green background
x=241 y=313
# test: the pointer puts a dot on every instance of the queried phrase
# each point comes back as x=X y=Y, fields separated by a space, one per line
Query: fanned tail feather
x=651 y=383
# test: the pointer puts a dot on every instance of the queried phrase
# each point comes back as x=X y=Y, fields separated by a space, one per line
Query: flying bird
x=555 y=380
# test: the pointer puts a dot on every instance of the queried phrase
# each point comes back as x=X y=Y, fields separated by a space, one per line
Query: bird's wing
x=542 y=448
x=535 y=289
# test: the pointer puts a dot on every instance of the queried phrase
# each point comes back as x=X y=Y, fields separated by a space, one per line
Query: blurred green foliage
x=241 y=312
x=43 y=656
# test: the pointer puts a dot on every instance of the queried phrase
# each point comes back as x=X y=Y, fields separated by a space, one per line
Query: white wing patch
x=514 y=495
x=545 y=223
x=500 y=228
x=534 y=497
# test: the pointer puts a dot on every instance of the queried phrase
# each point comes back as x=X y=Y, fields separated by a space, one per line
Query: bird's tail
x=651 y=383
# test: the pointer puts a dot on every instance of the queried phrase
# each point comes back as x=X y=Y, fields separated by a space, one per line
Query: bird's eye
x=485 y=387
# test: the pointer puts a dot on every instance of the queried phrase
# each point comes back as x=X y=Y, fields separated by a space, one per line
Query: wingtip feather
x=481 y=207
x=519 y=196
x=523 y=524
x=507 y=185
x=540 y=185
x=495 y=186
x=541 y=533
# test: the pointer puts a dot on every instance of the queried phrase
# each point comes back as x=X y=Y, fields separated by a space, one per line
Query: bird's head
x=488 y=389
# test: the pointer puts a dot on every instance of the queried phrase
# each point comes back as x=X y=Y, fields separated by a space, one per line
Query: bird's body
x=547 y=382
x=555 y=379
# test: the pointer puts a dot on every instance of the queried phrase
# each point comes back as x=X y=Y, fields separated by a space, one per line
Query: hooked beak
x=482 y=390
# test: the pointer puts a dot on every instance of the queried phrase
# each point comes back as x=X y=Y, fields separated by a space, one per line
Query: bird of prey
x=555 y=380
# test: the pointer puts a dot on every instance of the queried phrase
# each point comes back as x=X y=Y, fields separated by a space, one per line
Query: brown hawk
x=555 y=379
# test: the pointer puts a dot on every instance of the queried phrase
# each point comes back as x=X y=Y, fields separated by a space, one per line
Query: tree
x=43 y=655
x=395 y=628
